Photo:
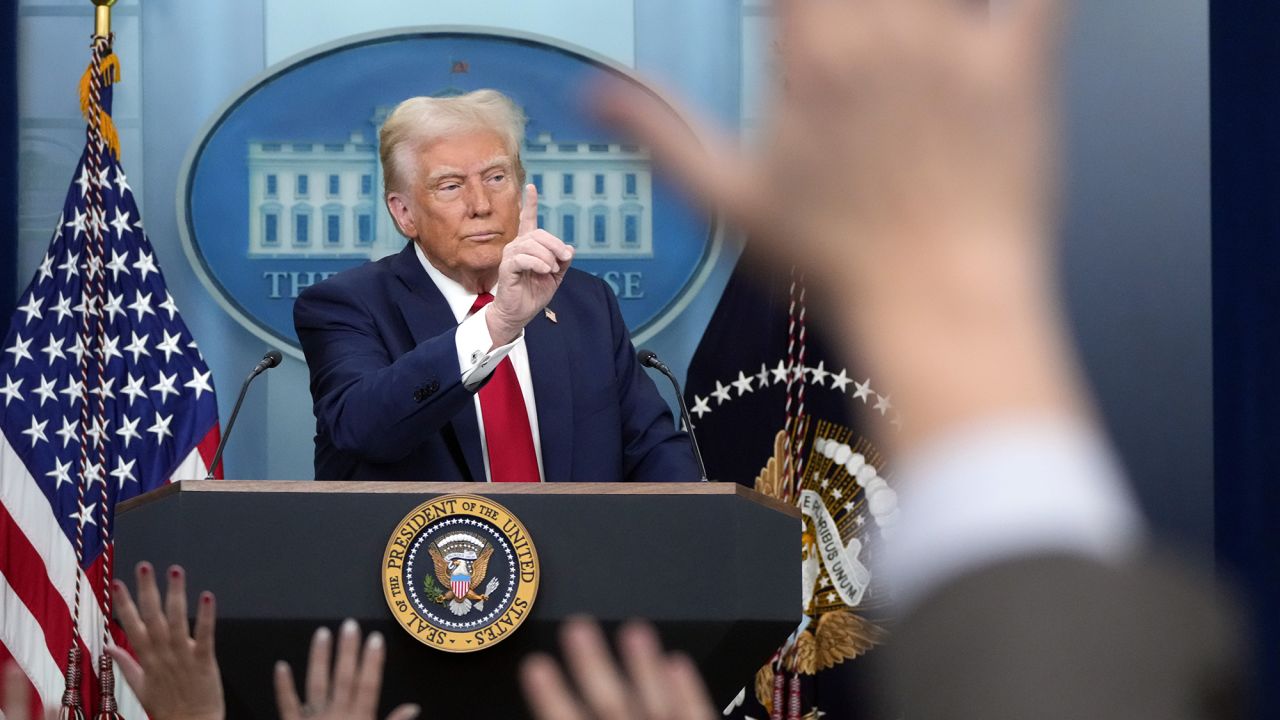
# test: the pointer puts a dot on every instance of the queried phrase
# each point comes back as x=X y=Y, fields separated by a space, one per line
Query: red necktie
x=506 y=421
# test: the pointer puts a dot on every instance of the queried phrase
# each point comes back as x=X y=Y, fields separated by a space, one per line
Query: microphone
x=268 y=361
x=649 y=359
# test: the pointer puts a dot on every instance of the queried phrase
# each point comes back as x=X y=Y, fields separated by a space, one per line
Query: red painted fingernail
x=175 y=573
x=207 y=598
x=144 y=569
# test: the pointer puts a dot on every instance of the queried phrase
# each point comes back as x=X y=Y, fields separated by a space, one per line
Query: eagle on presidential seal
x=461 y=569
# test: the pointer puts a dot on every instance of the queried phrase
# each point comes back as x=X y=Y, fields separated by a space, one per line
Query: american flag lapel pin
x=550 y=315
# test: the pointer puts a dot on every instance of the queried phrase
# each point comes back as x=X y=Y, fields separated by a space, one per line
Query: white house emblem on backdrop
x=283 y=189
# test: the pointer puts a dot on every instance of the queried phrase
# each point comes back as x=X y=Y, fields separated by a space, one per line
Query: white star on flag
x=138 y=346
x=781 y=373
x=60 y=473
x=841 y=381
x=11 y=390
x=32 y=309
x=128 y=431
x=762 y=377
x=199 y=382
x=118 y=265
x=68 y=431
x=165 y=387
x=883 y=404
x=169 y=346
x=36 y=431
x=46 y=391
x=820 y=374
x=161 y=427
x=721 y=393
x=112 y=306
x=701 y=406
x=20 y=350
x=141 y=304
x=124 y=471
x=146 y=264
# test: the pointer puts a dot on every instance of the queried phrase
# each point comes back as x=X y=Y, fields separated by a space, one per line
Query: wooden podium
x=714 y=566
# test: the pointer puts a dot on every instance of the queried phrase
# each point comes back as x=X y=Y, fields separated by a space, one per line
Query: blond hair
x=419 y=121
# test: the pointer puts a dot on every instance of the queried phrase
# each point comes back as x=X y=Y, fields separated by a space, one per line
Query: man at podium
x=476 y=353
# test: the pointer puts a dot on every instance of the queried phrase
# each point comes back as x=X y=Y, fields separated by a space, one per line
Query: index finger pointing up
x=529 y=212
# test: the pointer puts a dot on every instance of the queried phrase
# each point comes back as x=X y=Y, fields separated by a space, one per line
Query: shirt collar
x=459 y=298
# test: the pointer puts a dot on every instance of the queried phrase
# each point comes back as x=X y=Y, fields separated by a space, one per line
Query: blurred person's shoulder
x=1060 y=636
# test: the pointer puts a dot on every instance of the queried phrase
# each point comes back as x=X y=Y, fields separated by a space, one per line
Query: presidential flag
x=104 y=395
x=775 y=409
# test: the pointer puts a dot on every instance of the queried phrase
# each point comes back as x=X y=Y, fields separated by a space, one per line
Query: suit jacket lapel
x=553 y=395
x=427 y=315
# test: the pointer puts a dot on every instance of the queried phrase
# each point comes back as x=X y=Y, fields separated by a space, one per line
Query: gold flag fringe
x=110 y=75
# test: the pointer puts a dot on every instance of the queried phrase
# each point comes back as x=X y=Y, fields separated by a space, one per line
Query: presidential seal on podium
x=460 y=573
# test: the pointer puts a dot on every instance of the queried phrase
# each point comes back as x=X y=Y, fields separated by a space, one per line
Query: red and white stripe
x=37 y=581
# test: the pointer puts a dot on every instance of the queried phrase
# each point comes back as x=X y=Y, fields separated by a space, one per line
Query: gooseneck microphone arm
x=268 y=361
x=649 y=359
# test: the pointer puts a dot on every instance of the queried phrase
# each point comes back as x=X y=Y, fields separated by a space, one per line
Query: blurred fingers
x=150 y=607
x=129 y=616
x=344 y=666
x=129 y=668
x=369 y=679
x=287 y=701
x=704 y=164
x=594 y=671
x=175 y=607
x=318 y=667
x=1037 y=29
x=688 y=692
x=206 y=620
x=546 y=692
x=642 y=655
x=408 y=711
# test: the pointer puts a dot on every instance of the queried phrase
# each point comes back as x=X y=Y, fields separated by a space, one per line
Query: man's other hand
x=531 y=270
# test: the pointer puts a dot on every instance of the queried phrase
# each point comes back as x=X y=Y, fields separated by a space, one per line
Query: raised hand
x=654 y=687
x=900 y=123
x=175 y=674
x=909 y=166
x=350 y=692
x=533 y=265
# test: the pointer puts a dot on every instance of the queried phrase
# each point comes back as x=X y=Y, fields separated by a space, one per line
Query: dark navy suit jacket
x=390 y=404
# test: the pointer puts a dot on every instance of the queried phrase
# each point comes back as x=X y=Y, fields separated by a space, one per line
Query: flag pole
x=107 y=708
x=102 y=17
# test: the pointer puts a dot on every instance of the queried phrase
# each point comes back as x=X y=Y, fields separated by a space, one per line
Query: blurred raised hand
x=347 y=692
x=909 y=165
x=650 y=685
x=175 y=673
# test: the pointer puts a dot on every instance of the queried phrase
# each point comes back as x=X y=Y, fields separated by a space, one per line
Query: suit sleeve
x=653 y=450
x=366 y=403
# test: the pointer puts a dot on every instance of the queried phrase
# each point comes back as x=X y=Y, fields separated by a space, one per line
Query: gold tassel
x=109 y=134
x=110 y=76
x=106 y=690
x=72 y=708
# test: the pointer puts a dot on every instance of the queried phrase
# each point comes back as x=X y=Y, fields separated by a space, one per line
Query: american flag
x=97 y=323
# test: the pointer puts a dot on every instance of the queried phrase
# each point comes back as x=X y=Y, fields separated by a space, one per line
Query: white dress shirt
x=478 y=361
x=1003 y=489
